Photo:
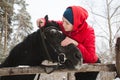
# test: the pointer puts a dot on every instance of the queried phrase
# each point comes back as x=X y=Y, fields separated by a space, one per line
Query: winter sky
x=53 y=8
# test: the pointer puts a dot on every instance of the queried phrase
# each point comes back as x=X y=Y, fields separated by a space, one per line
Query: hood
x=79 y=15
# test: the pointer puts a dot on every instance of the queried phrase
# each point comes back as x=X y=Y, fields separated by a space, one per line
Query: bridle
x=61 y=56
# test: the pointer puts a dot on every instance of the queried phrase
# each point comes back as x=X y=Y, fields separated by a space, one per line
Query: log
x=33 y=70
x=117 y=51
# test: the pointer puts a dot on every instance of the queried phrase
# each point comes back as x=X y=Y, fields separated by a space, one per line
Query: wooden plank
x=117 y=49
x=34 y=70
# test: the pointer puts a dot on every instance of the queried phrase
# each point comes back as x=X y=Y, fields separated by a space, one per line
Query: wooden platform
x=38 y=69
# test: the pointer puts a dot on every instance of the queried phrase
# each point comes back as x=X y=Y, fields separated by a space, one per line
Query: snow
x=117 y=79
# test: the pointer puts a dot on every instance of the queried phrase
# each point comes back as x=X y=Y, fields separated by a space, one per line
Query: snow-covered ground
x=117 y=79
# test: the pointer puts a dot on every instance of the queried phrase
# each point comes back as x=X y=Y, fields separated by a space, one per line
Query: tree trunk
x=5 y=36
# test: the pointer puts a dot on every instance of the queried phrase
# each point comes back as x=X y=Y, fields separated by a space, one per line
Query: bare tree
x=110 y=14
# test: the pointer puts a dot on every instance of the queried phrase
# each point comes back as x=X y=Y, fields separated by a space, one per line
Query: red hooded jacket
x=83 y=34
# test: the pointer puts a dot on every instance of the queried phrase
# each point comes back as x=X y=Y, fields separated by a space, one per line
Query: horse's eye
x=60 y=32
x=77 y=56
x=53 y=30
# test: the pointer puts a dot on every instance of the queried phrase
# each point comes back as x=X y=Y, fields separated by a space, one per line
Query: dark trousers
x=86 y=75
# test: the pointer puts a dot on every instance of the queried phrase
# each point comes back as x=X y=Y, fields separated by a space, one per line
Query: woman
x=78 y=32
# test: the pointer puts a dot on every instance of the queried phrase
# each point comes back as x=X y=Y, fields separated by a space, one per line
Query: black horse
x=32 y=51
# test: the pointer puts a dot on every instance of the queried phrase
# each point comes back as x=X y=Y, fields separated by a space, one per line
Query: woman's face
x=67 y=25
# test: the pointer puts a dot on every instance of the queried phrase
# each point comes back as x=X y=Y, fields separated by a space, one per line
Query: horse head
x=71 y=54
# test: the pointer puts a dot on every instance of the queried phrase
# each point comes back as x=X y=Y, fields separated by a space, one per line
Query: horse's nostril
x=77 y=56
x=61 y=58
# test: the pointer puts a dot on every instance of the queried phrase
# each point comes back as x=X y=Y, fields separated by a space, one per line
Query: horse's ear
x=46 y=18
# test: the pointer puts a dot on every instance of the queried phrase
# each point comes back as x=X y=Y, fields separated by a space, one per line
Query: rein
x=44 y=45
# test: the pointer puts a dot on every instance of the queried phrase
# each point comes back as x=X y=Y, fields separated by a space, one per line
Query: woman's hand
x=68 y=41
x=40 y=22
